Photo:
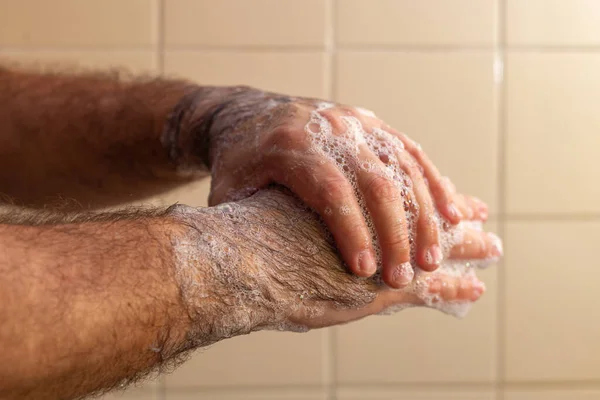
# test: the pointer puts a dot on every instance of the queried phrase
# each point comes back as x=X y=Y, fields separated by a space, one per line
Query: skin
x=127 y=139
x=272 y=146
x=134 y=271
x=177 y=279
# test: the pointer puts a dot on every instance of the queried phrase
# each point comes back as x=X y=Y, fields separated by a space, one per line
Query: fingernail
x=453 y=211
x=483 y=213
x=479 y=285
x=403 y=274
x=476 y=295
x=434 y=255
x=497 y=248
x=366 y=262
x=478 y=290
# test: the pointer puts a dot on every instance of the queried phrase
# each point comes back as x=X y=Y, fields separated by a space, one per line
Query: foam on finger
x=343 y=149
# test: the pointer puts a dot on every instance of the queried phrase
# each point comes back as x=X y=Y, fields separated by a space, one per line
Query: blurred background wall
x=505 y=97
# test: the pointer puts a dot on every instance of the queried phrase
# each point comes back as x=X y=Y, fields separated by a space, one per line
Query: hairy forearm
x=86 y=305
x=270 y=262
x=95 y=301
x=99 y=139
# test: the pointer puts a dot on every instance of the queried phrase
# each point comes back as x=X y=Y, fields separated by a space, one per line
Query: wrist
x=202 y=121
x=221 y=288
x=269 y=260
x=166 y=304
x=189 y=127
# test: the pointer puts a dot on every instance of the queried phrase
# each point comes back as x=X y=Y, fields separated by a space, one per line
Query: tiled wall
x=503 y=94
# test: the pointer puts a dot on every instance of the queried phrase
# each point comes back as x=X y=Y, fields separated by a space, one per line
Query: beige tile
x=416 y=22
x=551 y=301
x=445 y=101
x=194 y=194
x=263 y=358
x=553 y=22
x=245 y=23
x=142 y=391
x=146 y=395
x=64 y=23
x=552 y=127
x=414 y=394
x=422 y=345
x=301 y=73
x=245 y=394
x=135 y=61
x=549 y=394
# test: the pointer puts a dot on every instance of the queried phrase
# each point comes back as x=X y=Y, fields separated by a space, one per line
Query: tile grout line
x=160 y=50
x=400 y=387
x=330 y=47
x=161 y=388
x=329 y=363
x=303 y=49
x=500 y=62
x=550 y=217
x=330 y=350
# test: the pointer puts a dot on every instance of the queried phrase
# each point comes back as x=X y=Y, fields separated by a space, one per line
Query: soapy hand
x=374 y=188
x=266 y=262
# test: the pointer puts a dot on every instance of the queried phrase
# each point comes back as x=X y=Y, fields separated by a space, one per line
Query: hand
x=273 y=266
x=441 y=289
x=346 y=164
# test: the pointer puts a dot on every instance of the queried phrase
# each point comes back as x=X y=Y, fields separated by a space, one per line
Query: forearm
x=86 y=305
x=98 y=139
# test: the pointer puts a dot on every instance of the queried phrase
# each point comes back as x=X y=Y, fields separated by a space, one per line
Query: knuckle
x=382 y=191
x=417 y=150
x=446 y=184
x=334 y=189
x=396 y=239
x=413 y=170
x=428 y=226
x=353 y=231
x=333 y=116
x=419 y=155
x=441 y=193
x=294 y=108
x=332 y=111
x=347 y=110
x=483 y=249
x=286 y=138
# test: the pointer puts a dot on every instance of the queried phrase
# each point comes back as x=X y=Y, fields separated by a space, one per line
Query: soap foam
x=343 y=149
x=250 y=289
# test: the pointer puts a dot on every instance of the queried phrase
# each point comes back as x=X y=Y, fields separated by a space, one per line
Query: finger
x=441 y=195
x=464 y=288
x=429 y=253
x=336 y=116
x=477 y=245
x=479 y=208
x=456 y=289
x=327 y=191
x=472 y=208
x=384 y=202
x=464 y=207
